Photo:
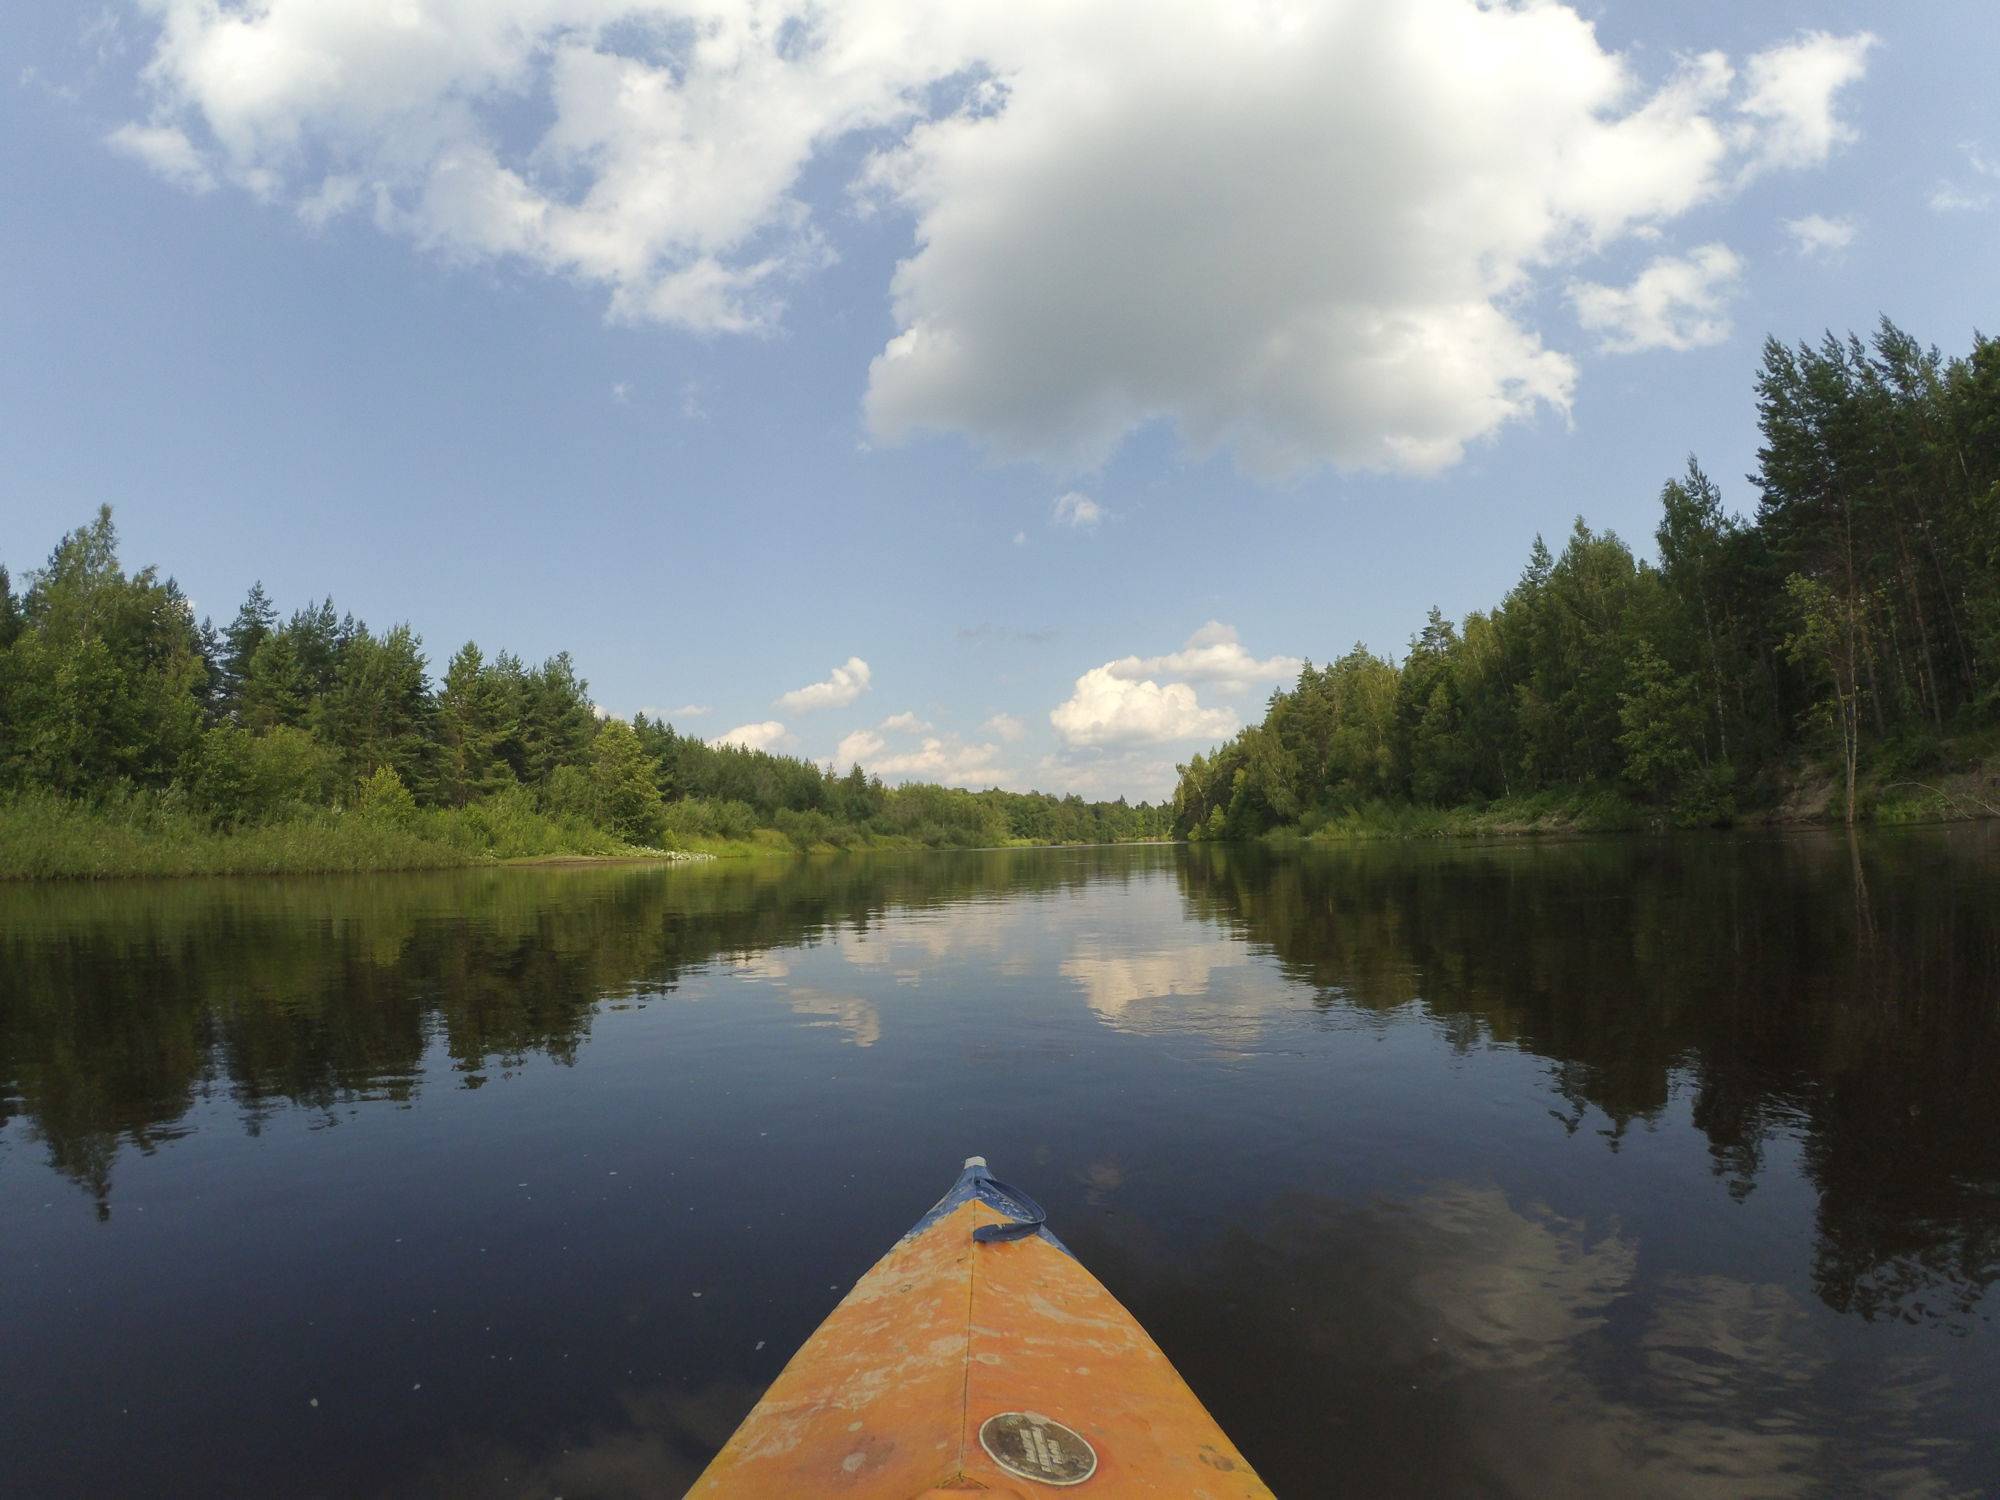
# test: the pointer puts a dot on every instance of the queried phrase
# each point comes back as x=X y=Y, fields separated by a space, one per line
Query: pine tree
x=475 y=721
x=254 y=622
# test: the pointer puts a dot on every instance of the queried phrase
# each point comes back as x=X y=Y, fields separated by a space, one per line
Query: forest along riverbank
x=134 y=741
x=1833 y=655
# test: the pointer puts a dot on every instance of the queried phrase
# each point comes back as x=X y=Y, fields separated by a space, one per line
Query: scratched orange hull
x=962 y=1363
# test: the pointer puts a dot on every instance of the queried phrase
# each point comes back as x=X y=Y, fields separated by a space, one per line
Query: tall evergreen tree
x=104 y=671
x=255 y=619
x=475 y=723
x=380 y=711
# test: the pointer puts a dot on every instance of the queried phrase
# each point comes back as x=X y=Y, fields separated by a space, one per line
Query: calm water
x=1642 y=1168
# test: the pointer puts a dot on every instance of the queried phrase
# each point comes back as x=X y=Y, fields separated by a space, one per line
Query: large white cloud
x=843 y=685
x=651 y=148
x=1301 y=229
x=1136 y=701
x=1212 y=654
x=1107 y=709
x=1302 y=232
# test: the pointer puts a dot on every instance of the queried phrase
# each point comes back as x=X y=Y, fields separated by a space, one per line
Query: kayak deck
x=896 y=1394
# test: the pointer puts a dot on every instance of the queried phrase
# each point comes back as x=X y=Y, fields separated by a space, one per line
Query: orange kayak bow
x=979 y=1355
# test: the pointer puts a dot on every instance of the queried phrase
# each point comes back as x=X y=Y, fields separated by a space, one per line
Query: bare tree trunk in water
x=1864 y=914
x=1850 y=734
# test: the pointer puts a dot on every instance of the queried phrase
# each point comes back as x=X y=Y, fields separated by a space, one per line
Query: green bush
x=805 y=830
x=383 y=797
x=1707 y=798
x=511 y=825
x=240 y=777
x=568 y=793
x=1913 y=753
x=621 y=774
x=699 y=817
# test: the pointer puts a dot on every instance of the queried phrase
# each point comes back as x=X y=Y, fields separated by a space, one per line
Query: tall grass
x=44 y=837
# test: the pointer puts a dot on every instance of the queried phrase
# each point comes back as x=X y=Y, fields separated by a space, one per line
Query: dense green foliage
x=1855 y=618
x=134 y=740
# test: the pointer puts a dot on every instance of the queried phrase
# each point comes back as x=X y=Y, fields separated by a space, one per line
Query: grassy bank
x=45 y=837
x=1957 y=783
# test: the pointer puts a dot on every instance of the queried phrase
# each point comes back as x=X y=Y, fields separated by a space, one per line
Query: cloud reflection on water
x=1538 y=1356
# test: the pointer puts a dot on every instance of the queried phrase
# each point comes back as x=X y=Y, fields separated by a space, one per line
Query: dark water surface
x=1621 y=1168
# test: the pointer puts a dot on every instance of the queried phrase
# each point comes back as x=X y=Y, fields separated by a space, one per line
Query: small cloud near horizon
x=768 y=735
x=842 y=686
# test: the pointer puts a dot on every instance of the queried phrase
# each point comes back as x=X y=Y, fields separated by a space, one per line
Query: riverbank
x=1891 y=795
x=46 y=837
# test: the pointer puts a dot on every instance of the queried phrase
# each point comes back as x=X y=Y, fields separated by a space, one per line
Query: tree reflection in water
x=1798 y=987
x=1584 y=1167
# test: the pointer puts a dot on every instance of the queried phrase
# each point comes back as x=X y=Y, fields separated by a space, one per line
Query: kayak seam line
x=965 y=1385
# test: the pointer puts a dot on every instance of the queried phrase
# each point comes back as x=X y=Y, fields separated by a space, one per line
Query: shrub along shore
x=48 y=837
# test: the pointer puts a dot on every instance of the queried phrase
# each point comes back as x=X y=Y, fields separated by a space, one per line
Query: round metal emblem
x=1030 y=1446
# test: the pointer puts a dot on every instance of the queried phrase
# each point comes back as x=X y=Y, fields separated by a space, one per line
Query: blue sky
x=725 y=350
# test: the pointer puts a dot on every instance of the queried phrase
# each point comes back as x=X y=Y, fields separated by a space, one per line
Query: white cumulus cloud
x=866 y=746
x=842 y=686
x=1106 y=709
x=1212 y=654
x=1789 y=109
x=1297 y=231
x=862 y=746
x=1304 y=231
x=1817 y=235
x=946 y=760
x=1675 y=303
x=1136 y=700
x=1005 y=727
x=1077 y=511
x=768 y=735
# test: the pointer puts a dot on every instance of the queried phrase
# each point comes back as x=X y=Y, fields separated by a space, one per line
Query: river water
x=1523 y=1168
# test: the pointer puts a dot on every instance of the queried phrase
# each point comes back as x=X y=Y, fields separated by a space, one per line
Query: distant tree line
x=109 y=687
x=1855 y=618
